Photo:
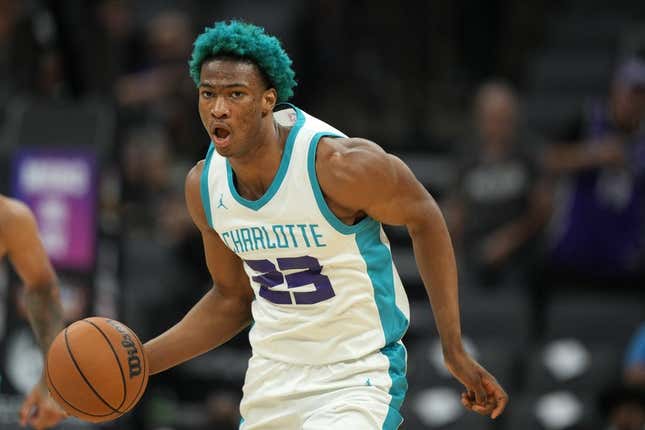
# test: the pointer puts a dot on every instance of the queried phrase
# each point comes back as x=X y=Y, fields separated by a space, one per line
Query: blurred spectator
x=598 y=231
x=168 y=38
x=150 y=177
x=115 y=48
x=222 y=410
x=623 y=407
x=500 y=205
x=26 y=31
x=51 y=76
x=162 y=90
x=635 y=358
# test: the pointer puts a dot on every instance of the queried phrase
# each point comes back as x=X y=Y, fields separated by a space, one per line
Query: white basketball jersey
x=325 y=292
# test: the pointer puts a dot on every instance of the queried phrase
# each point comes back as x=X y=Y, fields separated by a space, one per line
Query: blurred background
x=524 y=119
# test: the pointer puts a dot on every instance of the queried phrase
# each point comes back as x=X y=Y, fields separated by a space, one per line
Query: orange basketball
x=96 y=369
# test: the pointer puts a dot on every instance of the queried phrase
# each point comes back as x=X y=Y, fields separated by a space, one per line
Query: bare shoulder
x=345 y=160
x=193 y=195
x=358 y=177
x=353 y=173
x=17 y=224
x=194 y=176
x=347 y=149
x=14 y=212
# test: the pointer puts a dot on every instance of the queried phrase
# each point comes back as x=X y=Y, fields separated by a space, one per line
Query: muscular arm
x=19 y=234
x=358 y=178
x=223 y=311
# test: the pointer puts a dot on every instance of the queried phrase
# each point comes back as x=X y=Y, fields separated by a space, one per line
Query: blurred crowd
x=541 y=216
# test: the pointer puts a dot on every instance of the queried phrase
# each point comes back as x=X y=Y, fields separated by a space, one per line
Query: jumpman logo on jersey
x=221 y=202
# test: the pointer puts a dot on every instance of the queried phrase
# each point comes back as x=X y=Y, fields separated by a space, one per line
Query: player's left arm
x=357 y=175
x=19 y=233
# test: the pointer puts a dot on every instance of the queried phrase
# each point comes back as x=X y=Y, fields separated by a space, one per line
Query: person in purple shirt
x=597 y=231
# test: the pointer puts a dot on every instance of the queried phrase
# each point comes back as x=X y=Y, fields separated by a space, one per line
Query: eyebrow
x=210 y=85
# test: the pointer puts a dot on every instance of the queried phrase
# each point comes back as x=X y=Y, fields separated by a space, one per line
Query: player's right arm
x=224 y=311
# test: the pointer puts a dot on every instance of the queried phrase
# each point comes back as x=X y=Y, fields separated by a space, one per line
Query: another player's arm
x=224 y=311
x=357 y=176
x=19 y=233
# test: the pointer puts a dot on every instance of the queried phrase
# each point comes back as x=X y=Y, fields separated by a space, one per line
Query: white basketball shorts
x=363 y=394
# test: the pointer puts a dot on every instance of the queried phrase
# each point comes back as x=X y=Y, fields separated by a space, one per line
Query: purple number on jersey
x=269 y=277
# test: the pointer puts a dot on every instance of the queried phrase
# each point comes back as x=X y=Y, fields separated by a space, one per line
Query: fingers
x=497 y=393
x=45 y=419
x=26 y=410
x=470 y=403
x=480 y=392
x=497 y=399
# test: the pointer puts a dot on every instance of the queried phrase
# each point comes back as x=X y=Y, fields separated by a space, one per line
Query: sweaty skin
x=19 y=240
x=357 y=178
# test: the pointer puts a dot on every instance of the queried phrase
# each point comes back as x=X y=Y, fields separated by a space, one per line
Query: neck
x=255 y=170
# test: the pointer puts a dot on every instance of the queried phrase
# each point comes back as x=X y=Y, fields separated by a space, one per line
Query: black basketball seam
x=116 y=356
x=83 y=376
x=51 y=383
x=144 y=381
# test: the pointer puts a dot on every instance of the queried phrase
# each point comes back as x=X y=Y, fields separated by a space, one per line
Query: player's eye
x=237 y=94
x=206 y=94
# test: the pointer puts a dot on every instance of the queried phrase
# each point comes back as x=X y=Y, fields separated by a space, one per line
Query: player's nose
x=220 y=108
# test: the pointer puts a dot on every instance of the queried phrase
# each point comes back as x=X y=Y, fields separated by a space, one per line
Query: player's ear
x=269 y=99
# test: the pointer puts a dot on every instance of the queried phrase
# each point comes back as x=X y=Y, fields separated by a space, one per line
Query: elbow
x=235 y=306
x=425 y=219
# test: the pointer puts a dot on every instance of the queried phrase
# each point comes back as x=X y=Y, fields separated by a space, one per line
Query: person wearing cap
x=597 y=230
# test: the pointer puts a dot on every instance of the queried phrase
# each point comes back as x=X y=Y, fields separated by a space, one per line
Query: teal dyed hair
x=249 y=42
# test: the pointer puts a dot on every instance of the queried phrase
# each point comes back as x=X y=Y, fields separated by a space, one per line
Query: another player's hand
x=483 y=393
x=496 y=249
x=40 y=410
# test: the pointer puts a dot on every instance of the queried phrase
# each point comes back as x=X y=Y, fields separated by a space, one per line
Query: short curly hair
x=245 y=41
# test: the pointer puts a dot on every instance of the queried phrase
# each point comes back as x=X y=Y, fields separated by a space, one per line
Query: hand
x=40 y=410
x=610 y=151
x=495 y=250
x=483 y=393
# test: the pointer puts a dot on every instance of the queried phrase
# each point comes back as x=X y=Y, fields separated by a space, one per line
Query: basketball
x=96 y=369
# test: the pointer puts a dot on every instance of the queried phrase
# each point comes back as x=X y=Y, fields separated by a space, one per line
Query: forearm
x=566 y=158
x=517 y=232
x=45 y=313
x=211 y=322
x=436 y=262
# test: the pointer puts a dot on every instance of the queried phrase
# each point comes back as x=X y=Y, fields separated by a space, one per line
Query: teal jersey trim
x=397 y=356
x=331 y=218
x=378 y=260
x=282 y=169
x=241 y=423
x=203 y=186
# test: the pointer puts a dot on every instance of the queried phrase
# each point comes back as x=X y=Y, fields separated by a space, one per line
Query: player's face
x=233 y=103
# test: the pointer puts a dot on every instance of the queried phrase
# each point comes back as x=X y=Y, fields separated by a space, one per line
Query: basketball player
x=20 y=242
x=290 y=212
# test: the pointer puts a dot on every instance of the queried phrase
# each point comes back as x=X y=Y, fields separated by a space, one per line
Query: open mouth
x=221 y=136
x=221 y=133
